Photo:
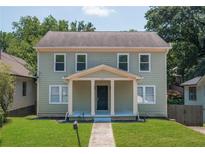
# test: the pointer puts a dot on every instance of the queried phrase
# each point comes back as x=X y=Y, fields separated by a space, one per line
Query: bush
x=1 y=120
x=175 y=101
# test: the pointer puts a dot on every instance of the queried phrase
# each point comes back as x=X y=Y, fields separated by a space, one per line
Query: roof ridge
x=102 y=32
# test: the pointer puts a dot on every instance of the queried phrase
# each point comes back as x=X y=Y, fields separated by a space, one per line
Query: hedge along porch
x=102 y=91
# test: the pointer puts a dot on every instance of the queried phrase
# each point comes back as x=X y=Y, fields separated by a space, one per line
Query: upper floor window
x=146 y=94
x=58 y=94
x=59 y=62
x=123 y=61
x=192 y=93
x=144 y=62
x=81 y=62
x=24 y=85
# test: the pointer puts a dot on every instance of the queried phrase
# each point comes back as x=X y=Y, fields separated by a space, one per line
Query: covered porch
x=102 y=91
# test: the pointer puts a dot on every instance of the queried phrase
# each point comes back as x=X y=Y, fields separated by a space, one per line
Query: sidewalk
x=198 y=129
x=102 y=135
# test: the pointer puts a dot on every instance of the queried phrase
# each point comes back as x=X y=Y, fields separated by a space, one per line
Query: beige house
x=102 y=74
x=24 y=101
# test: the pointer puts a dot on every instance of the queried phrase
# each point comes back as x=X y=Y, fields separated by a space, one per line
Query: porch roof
x=103 y=67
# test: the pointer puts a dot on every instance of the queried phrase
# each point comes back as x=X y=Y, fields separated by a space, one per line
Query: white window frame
x=76 y=60
x=54 y=66
x=60 y=93
x=149 y=55
x=143 y=90
x=128 y=60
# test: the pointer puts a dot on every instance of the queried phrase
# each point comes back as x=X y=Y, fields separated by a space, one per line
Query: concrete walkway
x=198 y=129
x=102 y=135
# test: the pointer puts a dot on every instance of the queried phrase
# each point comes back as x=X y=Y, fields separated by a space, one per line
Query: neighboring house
x=117 y=74
x=194 y=92
x=24 y=100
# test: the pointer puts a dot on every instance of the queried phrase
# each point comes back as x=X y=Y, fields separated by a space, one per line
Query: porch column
x=112 y=97
x=135 y=105
x=70 y=97
x=92 y=97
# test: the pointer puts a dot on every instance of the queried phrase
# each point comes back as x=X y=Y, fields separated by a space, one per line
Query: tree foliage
x=6 y=88
x=184 y=27
x=28 y=31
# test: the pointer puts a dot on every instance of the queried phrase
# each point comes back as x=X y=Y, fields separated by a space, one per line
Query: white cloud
x=99 y=11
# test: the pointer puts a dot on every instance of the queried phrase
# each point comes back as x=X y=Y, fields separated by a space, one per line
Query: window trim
x=60 y=94
x=76 y=60
x=143 y=89
x=195 y=93
x=149 y=61
x=128 y=60
x=54 y=66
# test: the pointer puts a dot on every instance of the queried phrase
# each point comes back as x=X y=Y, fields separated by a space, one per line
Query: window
x=140 y=94
x=192 y=93
x=58 y=94
x=123 y=61
x=146 y=94
x=55 y=94
x=144 y=62
x=64 y=94
x=24 y=85
x=59 y=62
x=81 y=62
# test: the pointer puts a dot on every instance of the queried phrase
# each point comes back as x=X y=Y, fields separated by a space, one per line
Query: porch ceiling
x=117 y=73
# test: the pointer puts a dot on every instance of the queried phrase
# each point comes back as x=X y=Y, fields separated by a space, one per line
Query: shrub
x=6 y=89
x=1 y=120
x=175 y=101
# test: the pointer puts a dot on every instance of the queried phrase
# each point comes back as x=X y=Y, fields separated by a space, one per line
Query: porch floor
x=103 y=114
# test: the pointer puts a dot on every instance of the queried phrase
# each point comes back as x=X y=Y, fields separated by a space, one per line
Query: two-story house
x=102 y=74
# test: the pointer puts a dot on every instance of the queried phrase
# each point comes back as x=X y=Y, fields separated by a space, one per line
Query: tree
x=132 y=30
x=6 y=88
x=28 y=31
x=184 y=27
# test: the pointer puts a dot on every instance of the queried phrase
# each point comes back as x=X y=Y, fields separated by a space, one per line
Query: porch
x=102 y=91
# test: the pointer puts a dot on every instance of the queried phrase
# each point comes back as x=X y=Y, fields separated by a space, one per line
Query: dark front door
x=102 y=97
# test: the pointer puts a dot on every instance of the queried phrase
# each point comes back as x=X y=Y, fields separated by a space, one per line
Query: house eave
x=124 y=75
x=103 y=49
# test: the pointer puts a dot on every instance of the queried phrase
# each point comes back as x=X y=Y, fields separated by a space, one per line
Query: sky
x=103 y=18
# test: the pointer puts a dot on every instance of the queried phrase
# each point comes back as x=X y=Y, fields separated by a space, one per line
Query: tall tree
x=184 y=28
x=27 y=32
x=6 y=88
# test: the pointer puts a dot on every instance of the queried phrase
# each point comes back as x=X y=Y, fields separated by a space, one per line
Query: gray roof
x=102 y=39
x=17 y=65
x=193 y=81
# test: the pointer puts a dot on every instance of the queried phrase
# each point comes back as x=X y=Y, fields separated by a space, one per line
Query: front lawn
x=26 y=132
x=156 y=133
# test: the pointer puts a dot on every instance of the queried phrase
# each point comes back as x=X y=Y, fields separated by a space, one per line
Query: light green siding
x=156 y=77
x=123 y=97
x=81 y=97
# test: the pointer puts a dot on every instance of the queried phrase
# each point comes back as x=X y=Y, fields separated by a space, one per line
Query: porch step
x=102 y=120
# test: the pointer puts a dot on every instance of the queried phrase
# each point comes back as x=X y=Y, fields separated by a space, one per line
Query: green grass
x=26 y=132
x=156 y=133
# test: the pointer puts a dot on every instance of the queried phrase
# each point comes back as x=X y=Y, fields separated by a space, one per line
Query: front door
x=102 y=97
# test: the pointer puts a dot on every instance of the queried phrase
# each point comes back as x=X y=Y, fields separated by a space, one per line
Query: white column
x=70 y=97
x=92 y=97
x=112 y=97
x=135 y=105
